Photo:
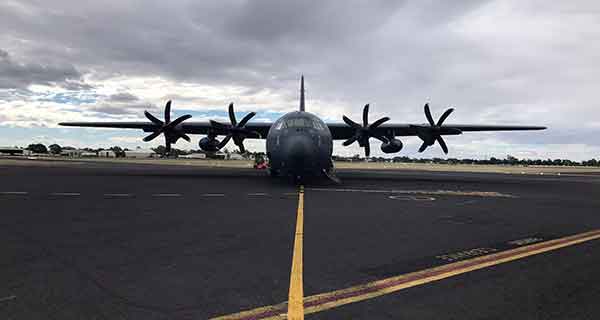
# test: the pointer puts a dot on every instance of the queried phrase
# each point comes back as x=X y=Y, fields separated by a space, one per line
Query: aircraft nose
x=301 y=152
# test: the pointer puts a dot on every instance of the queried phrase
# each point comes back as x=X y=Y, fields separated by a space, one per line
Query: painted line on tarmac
x=296 y=291
x=423 y=192
x=8 y=298
x=167 y=195
x=258 y=194
x=411 y=198
x=118 y=195
x=320 y=302
x=213 y=194
x=14 y=193
x=65 y=194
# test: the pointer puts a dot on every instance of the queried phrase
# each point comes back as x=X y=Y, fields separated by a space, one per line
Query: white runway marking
x=423 y=192
x=66 y=194
x=118 y=195
x=213 y=195
x=8 y=298
x=167 y=195
x=14 y=192
x=411 y=198
x=258 y=194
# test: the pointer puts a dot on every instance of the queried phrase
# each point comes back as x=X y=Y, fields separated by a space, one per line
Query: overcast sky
x=496 y=62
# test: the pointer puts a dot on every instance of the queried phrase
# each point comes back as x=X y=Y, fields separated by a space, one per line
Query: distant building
x=218 y=155
x=193 y=156
x=89 y=154
x=140 y=153
x=14 y=151
x=235 y=156
x=72 y=153
x=107 y=154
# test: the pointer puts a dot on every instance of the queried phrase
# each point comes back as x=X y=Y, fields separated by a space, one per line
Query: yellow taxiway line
x=333 y=299
x=296 y=293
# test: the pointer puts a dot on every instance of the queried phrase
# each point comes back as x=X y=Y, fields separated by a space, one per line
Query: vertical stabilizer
x=302 y=93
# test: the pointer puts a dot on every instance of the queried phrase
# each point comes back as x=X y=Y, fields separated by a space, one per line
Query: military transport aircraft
x=300 y=144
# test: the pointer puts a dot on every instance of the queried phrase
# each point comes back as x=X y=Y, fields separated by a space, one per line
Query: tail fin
x=302 y=93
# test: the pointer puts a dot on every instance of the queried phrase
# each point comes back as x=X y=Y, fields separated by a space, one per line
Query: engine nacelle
x=209 y=145
x=393 y=146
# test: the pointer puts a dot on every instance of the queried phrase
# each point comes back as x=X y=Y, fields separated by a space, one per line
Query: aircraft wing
x=341 y=131
x=190 y=127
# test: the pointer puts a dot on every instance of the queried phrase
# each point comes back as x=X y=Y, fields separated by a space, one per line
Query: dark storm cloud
x=17 y=75
x=228 y=41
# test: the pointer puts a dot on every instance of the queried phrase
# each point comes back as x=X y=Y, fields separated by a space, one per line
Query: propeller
x=236 y=130
x=365 y=131
x=167 y=127
x=432 y=133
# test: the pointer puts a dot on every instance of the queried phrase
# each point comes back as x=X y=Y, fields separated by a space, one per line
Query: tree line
x=57 y=149
x=509 y=160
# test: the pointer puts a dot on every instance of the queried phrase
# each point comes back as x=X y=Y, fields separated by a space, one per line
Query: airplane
x=299 y=144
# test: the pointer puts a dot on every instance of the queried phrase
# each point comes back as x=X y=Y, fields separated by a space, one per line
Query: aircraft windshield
x=299 y=123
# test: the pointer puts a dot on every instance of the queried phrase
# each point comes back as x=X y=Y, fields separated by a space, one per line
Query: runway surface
x=127 y=241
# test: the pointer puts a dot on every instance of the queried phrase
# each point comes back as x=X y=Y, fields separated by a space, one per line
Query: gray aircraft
x=300 y=144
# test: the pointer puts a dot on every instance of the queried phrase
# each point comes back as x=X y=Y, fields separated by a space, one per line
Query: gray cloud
x=127 y=108
x=123 y=97
x=16 y=75
x=495 y=61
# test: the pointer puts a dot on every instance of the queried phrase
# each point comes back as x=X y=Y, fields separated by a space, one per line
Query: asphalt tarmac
x=128 y=241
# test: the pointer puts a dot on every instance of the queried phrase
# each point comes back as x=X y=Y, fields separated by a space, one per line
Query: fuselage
x=299 y=144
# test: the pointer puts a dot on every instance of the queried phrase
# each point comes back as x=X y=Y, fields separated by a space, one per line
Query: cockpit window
x=317 y=125
x=280 y=125
x=298 y=123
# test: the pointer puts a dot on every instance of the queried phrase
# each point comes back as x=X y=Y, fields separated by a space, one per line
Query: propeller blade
x=423 y=146
x=238 y=140
x=442 y=143
x=350 y=141
x=350 y=122
x=184 y=136
x=152 y=136
x=241 y=146
x=153 y=118
x=428 y=115
x=224 y=141
x=178 y=121
x=378 y=122
x=232 y=115
x=167 y=145
x=366 y=115
x=444 y=116
x=367 y=149
x=246 y=118
x=168 y=112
